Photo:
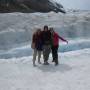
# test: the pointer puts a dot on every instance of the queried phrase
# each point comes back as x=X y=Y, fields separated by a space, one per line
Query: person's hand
x=67 y=42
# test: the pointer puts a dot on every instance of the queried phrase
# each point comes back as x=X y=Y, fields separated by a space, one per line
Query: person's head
x=45 y=28
x=38 y=31
x=51 y=30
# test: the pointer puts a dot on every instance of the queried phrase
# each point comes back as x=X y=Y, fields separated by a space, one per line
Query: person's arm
x=62 y=39
x=33 y=42
x=33 y=38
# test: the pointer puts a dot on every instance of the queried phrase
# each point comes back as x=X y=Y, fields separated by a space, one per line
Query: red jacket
x=56 y=38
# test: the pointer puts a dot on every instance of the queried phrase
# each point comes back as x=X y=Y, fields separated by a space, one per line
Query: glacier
x=16 y=31
x=16 y=69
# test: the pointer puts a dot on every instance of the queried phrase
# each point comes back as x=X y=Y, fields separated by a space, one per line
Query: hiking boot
x=34 y=65
x=46 y=63
x=39 y=62
x=53 y=61
x=56 y=64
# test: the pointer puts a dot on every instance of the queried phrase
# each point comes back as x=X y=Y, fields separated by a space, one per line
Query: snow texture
x=16 y=31
x=16 y=69
x=71 y=74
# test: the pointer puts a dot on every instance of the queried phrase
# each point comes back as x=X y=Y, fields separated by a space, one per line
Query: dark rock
x=28 y=6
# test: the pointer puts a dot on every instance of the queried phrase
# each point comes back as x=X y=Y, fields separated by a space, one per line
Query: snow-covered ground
x=16 y=69
x=73 y=73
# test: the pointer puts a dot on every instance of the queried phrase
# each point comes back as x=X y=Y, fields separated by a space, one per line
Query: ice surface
x=16 y=31
x=73 y=73
x=16 y=69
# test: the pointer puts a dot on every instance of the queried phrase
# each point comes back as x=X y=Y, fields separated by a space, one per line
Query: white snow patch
x=71 y=74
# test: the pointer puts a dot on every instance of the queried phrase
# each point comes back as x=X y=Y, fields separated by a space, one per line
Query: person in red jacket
x=55 y=45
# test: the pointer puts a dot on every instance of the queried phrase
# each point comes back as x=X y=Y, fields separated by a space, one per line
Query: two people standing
x=46 y=41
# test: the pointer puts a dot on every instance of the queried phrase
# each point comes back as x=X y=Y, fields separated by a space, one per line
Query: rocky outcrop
x=30 y=6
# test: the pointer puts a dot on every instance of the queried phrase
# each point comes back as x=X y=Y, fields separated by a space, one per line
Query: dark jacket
x=37 y=39
x=46 y=37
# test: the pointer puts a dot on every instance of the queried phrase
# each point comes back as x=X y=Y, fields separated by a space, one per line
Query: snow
x=16 y=69
x=71 y=74
x=16 y=31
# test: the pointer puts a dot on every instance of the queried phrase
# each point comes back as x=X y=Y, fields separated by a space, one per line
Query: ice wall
x=16 y=29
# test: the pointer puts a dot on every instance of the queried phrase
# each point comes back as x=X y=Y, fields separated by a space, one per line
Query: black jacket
x=46 y=37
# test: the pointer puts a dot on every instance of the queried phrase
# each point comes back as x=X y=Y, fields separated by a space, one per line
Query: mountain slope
x=30 y=6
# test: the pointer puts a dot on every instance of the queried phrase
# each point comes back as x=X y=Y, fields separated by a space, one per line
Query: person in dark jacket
x=55 y=45
x=46 y=37
x=37 y=46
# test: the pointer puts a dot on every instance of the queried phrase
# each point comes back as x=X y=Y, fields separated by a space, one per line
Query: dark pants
x=46 y=52
x=55 y=53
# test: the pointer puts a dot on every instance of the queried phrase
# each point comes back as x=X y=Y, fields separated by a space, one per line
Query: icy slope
x=25 y=50
x=16 y=31
x=73 y=73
